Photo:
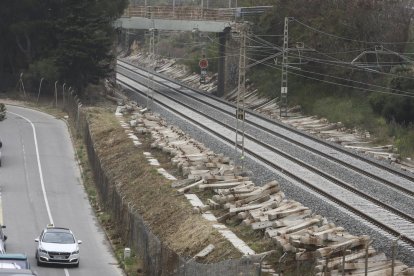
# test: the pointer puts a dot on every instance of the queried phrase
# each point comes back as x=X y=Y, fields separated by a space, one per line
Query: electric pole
x=151 y=66
x=241 y=94
x=284 y=82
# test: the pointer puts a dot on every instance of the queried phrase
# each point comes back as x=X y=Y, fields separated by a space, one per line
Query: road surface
x=40 y=183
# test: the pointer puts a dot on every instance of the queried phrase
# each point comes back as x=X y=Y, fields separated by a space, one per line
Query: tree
x=68 y=40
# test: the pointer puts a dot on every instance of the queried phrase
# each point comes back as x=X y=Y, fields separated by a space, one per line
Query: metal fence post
x=394 y=253
x=343 y=260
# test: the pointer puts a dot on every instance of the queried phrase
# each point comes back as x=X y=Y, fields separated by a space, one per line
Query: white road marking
x=1 y=211
x=39 y=165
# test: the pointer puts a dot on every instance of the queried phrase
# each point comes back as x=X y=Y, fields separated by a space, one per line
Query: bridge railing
x=180 y=13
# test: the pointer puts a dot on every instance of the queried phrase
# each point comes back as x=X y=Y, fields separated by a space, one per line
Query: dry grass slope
x=169 y=216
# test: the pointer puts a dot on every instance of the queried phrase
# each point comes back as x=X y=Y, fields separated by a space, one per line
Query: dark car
x=14 y=261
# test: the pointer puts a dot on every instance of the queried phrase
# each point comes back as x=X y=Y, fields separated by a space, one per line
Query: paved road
x=40 y=183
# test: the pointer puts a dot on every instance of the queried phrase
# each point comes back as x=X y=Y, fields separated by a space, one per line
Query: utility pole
x=127 y=41
x=241 y=94
x=284 y=82
x=150 y=80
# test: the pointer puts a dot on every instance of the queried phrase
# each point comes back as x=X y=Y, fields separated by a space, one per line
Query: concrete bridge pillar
x=227 y=63
x=223 y=37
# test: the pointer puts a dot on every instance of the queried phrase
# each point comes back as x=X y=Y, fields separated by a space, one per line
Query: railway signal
x=203 y=63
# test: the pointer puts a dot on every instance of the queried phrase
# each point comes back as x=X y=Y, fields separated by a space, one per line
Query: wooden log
x=203 y=253
x=288 y=247
x=214 y=205
x=323 y=234
x=222 y=199
x=310 y=240
x=262 y=200
x=342 y=246
x=279 y=223
x=338 y=237
x=205 y=208
x=272 y=184
x=258 y=191
x=371 y=265
x=228 y=206
x=219 y=186
x=285 y=213
x=183 y=182
x=230 y=180
x=355 y=255
x=300 y=226
x=247 y=222
x=224 y=217
x=236 y=210
x=259 y=257
x=271 y=232
x=214 y=178
x=233 y=197
x=280 y=241
x=379 y=271
x=326 y=226
x=187 y=188
x=409 y=271
x=256 y=196
x=284 y=205
x=242 y=189
x=294 y=220
x=199 y=172
x=242 y=215
x=262 y=225
x=274 y=202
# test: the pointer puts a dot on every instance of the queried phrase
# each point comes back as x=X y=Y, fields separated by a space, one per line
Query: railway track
x=394 y=218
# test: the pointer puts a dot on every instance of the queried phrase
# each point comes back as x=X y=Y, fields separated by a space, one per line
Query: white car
x=57 y=245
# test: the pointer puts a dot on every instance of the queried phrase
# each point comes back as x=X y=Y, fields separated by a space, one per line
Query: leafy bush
x=397 y=107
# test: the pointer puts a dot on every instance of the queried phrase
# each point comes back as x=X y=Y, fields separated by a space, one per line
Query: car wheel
x=76 y=265
x=37 y=260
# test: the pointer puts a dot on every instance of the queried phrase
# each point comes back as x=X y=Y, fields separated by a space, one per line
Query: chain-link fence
x=158 y=259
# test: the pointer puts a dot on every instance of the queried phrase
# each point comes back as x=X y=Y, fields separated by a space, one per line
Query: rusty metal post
x=394 y=253
x=343 y=260
x=366 y=259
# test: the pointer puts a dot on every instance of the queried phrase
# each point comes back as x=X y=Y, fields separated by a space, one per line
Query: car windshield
x=58 y=237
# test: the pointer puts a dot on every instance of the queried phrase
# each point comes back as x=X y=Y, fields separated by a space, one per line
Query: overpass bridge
x=190 y=18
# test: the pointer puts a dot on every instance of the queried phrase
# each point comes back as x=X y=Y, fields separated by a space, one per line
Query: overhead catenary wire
x=407 y=93
x=350 y=66
x=347 y=38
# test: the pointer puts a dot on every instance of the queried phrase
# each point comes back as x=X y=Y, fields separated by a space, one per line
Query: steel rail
x=340 y=202
x=396 y=186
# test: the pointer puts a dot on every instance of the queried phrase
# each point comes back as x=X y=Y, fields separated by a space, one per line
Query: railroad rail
x=395 y=219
